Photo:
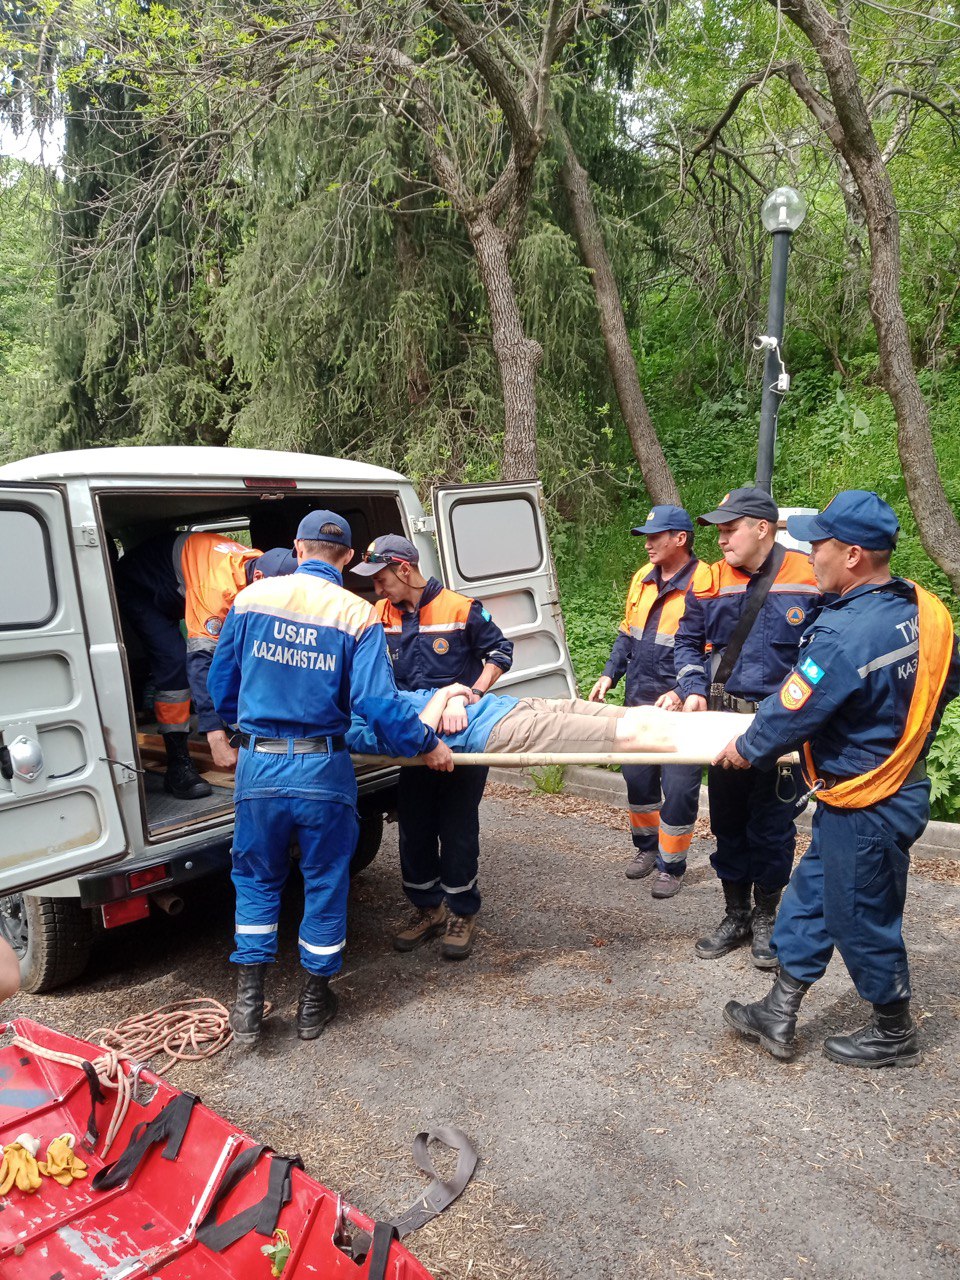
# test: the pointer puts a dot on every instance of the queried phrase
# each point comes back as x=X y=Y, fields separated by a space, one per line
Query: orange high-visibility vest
x=933 y=663
x=214 y=571
x=643 y=594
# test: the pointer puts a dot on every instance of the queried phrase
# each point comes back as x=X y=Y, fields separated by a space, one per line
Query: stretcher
x=171 y=1190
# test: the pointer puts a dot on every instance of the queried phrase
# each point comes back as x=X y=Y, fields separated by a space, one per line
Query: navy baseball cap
x=664 y=519
x=325 y=526
x=742 y=502
x=857 y=517
x=275 y=563
x=391 y=548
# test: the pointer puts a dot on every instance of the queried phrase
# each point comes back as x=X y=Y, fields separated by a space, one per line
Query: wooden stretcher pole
x=537 y=759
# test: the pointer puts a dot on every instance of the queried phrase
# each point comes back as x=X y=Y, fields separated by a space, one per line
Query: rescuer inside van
x=663 y=801
x=436 y=637
x=296 y=655
x=863 y=702
x=190 y=577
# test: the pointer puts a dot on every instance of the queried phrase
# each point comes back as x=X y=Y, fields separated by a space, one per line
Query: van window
x=495 y=537
x=26 y=574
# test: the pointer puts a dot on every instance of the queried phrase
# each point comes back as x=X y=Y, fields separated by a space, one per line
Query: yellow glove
x=61 y=1164
x=19 y=1165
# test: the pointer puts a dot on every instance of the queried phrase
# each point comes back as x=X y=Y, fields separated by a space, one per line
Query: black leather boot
x=317 y=1007
x=246 y=1016
x=734 y=928
x=182 y=779
x=772 y=1020
x=761 y=926
x=890 y=1040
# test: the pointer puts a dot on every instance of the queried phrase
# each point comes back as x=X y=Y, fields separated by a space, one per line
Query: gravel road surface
x=622 y=1130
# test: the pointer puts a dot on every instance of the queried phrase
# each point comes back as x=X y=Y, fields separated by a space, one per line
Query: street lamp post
x=782 y=213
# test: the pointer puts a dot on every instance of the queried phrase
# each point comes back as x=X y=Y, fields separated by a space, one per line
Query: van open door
x=492 y=541
x=59 y=813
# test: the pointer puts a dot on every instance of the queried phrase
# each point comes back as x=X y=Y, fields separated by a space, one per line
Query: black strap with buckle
x=754 y=603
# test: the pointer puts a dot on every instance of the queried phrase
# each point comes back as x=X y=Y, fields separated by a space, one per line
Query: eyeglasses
x=383 y=557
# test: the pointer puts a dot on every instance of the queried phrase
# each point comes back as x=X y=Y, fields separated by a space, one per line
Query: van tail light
x=124 y=912
x=152 y=875
x=255 y=482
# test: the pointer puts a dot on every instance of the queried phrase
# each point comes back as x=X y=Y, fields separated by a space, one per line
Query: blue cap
x=857 y=517
x=664 y=519
x=325 y=526
x=389 y=548
x=748 y=501
x=275 y=563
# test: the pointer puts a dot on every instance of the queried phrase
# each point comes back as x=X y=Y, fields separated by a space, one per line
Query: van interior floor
x=166 y=812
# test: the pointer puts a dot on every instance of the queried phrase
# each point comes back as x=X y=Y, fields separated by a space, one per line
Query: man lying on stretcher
x=569 y=726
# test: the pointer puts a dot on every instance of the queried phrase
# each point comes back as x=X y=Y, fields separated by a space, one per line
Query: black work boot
x=182 y=779
x=246 y=1017
x=772 y=1020
x=890 y=1040
x=761 y=926
x=734 y=928
x=317 y=1007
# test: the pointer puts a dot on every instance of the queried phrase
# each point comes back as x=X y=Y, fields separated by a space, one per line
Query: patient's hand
x=454 y=718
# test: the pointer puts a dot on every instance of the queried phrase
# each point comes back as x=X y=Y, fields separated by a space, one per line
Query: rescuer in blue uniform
x=864 y=702
x=663 y=801
x=296 y=655
x=751 y=816
x=436 y=637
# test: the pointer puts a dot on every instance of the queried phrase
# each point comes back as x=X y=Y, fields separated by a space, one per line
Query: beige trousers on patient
x=556 y=724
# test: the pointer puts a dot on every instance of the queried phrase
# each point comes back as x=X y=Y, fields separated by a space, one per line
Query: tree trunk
x=518 y=357
x=851 y=132
x=657 y=476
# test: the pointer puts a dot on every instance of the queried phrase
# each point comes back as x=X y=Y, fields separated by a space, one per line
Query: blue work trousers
x=663 y=810
x=848 y=892
x=754 y=828
x=266 y=821
x=439 y=815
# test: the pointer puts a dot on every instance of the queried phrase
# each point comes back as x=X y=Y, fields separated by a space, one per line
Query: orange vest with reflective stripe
x=933 y=664
x=214 y=570
x=643 y=594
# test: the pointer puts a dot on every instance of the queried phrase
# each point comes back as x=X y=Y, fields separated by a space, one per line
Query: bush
x=943 y=764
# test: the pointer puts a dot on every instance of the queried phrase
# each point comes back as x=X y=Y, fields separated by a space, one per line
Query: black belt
x=294 y=746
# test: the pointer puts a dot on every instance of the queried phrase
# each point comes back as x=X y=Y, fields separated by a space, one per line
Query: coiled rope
x=186 y=1031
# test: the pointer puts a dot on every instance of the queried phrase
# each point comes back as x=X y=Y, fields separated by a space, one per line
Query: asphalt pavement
x=622 y=1130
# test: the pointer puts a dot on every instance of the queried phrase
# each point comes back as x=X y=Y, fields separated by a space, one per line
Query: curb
x=939 y=840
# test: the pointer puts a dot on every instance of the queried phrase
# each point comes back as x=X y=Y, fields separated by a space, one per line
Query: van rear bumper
x=113 y=884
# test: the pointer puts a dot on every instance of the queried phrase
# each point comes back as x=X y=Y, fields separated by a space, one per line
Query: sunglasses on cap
x=383 y=557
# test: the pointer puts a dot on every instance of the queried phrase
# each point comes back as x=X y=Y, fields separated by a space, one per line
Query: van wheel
x=51 y=936
x=368 y=842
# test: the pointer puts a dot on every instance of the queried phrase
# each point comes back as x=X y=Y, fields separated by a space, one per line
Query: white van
x=82 y=808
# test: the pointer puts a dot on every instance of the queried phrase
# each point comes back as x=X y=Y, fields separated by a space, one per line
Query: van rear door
x=492 y=540
x=58 y=810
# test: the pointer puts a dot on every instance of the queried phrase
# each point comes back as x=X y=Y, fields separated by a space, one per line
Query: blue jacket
x=481 y=718
x=644 y=647
x=850 y=691
x=447 y=639
x=770 y=649
x=297 y=654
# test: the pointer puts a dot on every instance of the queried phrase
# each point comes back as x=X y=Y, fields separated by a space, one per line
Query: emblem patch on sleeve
x=794 y=692
x=810 y=669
